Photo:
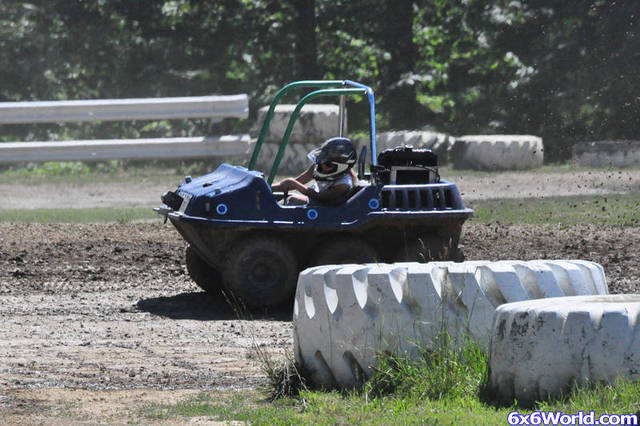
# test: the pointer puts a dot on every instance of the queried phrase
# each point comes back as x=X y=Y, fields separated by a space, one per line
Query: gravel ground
x=110 y=306
x=106 y=306
x=104 y=316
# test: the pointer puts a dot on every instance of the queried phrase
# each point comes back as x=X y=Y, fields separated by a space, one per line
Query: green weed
x=447 y=371
x=621 y=396
x=443 y=386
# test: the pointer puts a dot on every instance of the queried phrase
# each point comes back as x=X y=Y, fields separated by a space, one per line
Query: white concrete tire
x=497 y=152
x=293 y=162
x=345 y=314
x=607 y=154
x=315 y=124
x=540 y=348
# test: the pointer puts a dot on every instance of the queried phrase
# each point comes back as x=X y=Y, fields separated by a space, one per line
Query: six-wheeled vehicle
x=242 y=237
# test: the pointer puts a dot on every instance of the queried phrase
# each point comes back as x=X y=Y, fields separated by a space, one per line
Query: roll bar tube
x=372 y=117
x=294 y=117
x=272 y=108
x=356 y=88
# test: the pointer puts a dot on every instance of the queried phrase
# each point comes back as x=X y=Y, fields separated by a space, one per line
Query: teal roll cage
x=327 y=88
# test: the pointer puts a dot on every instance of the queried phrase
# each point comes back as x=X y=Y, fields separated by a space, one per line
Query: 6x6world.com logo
x=558 y=418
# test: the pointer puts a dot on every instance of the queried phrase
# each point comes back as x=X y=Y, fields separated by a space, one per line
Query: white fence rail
x=125 y=109
x=131 y=149
x=212 y=107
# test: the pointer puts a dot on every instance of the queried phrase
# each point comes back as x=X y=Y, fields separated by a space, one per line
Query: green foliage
x=285 y=379
x=566 y=72
x=462 y=404
x=446 y=371
x=621 y=396
x=58 y=168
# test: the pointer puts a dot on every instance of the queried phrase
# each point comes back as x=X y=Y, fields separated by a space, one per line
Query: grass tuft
x=448 y=371
x=284 y=375
x=620 y=396
x=443 y=386
x=285 y=379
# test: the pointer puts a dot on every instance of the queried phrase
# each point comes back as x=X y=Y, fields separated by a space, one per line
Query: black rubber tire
x=206 y=277
x=261 y=271
x=345 y=250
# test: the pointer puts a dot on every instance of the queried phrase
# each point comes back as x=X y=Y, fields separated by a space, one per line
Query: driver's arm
x=296 y=183
x=307 y=175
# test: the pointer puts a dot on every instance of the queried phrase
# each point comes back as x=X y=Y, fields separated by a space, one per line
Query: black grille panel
x=419 y=197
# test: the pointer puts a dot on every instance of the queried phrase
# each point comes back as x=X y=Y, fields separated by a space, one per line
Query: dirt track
x=108 y=312
x=476 y=186
x=109 y=306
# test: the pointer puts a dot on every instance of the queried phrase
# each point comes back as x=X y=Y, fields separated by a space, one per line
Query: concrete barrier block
x=439 y=143
x=497 y=152
x=607 y=154
x=293 y=162
x=315 y=124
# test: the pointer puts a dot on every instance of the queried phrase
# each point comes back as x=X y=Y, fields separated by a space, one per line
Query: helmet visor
x=317 y=156
x=327 y=168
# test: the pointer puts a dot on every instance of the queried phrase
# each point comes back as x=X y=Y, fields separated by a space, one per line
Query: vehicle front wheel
x=261 y=271
x=205 y=276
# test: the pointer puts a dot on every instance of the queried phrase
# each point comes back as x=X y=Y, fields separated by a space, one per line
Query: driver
x=332 y=172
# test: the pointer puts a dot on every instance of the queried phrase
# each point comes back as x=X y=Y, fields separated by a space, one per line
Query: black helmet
x=338 y=152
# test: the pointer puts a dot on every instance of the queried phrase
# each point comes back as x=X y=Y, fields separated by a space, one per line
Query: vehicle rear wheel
x=345 y=250
x=261 y=271
x=206 y=277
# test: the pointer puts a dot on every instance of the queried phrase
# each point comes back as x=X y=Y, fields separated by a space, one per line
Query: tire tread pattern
x=364 y=309
x=562 y=341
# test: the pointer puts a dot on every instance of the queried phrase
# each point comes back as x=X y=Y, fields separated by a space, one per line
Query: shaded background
x=566 y=71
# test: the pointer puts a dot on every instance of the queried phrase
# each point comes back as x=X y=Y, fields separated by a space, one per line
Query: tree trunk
x=398 y=41
x=306 y=55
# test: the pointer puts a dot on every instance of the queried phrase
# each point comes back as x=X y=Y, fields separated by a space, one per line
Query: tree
x=397 y=39
x=564 y=71
x=304 y=28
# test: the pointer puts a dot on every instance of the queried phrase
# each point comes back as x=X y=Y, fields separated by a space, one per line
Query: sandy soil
x=111 y=307
x=70 y=407
x=537 y=185
x=98 y=319
x=108 y=306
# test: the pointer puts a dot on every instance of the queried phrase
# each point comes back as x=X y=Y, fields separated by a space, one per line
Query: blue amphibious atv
x=243 y=238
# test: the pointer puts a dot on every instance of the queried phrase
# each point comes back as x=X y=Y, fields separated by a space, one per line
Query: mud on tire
x=562 y=341
x=261 y=271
